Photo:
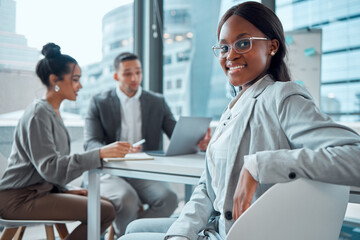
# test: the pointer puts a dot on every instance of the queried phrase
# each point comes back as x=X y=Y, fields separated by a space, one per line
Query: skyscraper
x=17 y=63
x=14 y=51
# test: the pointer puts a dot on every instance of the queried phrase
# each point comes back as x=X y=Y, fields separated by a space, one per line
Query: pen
x=138 y=143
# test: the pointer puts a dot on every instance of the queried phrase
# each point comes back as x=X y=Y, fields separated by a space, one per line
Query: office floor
x=38 y=232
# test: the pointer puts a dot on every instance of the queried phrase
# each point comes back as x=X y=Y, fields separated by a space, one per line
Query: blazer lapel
x=240 y=126
x=145 y=108
x=114 y=104
x=237 y=135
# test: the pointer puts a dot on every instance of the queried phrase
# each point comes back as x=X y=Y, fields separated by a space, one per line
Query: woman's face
x=249 y=66
x=70 y=85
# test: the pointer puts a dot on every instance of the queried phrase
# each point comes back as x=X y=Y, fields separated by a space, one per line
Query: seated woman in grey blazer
x=39 y=166
x=271 y=132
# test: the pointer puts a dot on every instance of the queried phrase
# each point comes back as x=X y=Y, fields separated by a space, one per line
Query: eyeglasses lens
x=242 y=45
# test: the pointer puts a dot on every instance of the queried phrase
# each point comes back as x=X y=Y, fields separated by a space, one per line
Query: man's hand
x=135 y=149
x=203 y=143
x=244 y=193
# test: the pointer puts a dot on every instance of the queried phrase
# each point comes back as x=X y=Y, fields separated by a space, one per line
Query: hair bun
x=51 y=50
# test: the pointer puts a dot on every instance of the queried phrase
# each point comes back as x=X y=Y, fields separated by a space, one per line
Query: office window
x=177 y=15
x=178 y=110
x=178 y=83
x=94 y=37
x=167 y=59
x=169 y=84
x=340 y=74
x=117 y=36
x=189 y=33
x=93 y=32
x=341 y=101
x=183 y=56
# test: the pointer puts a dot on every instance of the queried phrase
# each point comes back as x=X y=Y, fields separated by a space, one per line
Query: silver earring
x=272 y=53
x=57 y=88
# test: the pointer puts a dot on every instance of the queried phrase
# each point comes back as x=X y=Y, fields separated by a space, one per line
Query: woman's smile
x=234 y=68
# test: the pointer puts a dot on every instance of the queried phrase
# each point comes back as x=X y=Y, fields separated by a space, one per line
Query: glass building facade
x=117 y=37
x=340 y=62
x=18 y=82
x=194 y=83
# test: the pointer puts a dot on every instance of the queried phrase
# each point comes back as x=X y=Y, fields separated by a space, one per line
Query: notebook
x=131 y=156
x=187 y=133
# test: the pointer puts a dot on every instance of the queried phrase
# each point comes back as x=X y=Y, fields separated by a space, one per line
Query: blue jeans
x=156 y=229
x=148 y=228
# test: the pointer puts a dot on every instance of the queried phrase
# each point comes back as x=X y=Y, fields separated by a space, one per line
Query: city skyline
x=82 y=19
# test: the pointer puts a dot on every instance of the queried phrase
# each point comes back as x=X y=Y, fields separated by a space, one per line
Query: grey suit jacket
x=103 y=120
x=291 y=139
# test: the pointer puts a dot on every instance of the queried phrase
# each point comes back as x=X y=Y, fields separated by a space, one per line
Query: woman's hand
x=82 y=192
x=203 y=143
x=244 y=193
x=116 y=149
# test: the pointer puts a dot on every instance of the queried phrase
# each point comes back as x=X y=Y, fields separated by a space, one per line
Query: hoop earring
x=57 y=88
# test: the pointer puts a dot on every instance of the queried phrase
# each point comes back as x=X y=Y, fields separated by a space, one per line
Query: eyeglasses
x=240 y=46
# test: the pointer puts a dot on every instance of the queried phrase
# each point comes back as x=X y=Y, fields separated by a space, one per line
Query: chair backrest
x=297 y=210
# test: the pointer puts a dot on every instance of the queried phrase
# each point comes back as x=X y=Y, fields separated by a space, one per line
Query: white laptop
x=187 y=133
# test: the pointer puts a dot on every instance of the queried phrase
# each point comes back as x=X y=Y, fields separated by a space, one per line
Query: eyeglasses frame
x=233 y=44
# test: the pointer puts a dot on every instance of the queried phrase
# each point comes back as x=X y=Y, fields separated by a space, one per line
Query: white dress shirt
x=216 y=154
x=130 y=109
x=218 y=150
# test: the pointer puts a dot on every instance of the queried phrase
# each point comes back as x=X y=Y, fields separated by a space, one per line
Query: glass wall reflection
x=340 y=72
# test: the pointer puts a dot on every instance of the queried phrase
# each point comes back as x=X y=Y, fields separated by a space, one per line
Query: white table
x=354 y=195
x=352 y=215
x=185 y=169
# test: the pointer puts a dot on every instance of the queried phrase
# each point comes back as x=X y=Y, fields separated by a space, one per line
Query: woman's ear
x=274 y=46
x=116 y=77
x=53 y=79
x=53 y=82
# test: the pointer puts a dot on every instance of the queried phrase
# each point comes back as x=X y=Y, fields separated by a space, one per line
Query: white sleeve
x=251 y=165
x=177 y=238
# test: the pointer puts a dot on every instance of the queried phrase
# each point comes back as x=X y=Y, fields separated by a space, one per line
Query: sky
x=74 y=25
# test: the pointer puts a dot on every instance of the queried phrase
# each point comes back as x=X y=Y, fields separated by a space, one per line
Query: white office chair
x=15 y=228
x=298 y=210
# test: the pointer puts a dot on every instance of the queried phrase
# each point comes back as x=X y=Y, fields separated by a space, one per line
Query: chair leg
x=8 y=233
x=49 y=232
x=20 y=233
x=111 y=233
x=62 y=230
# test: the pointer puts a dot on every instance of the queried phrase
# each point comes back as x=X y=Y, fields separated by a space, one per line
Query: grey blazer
x=291 y=139
x=103 y=120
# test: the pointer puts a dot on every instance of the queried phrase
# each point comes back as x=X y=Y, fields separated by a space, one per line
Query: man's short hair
x=126 y=56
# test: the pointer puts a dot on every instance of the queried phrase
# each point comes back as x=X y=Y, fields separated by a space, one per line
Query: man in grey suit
x=129 y=113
